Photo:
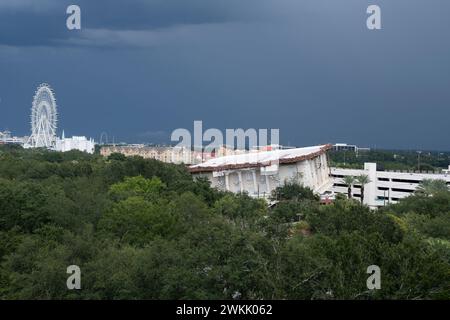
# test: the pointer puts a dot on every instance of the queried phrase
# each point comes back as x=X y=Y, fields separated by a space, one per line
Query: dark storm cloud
x=114 y=22
x=140 y=69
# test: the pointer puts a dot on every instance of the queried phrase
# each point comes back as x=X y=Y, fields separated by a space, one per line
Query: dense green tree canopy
x=392 y=159
x=142 y=229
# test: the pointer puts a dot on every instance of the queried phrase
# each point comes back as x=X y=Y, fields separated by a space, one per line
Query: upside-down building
x=259 y=173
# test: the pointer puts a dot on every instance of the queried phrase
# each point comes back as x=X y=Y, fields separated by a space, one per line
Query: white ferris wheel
x=43 y=119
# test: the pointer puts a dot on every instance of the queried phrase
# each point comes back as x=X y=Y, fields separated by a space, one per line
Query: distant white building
x=7 y=138
x=259 y=173
x=385 y=186
x=80 y=143
x=348 y=147
x=446 y=171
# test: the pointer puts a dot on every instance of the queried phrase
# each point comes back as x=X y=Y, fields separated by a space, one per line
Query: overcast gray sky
x=140 y=69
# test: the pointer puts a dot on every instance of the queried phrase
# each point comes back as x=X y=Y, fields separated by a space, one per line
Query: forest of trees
x=392 y=160
x=142 y=229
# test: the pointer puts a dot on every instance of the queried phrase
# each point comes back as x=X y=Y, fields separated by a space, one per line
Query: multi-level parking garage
x=385 y=186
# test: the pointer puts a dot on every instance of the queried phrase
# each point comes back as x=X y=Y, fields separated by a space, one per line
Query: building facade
x=75 y=143
x=177 y=155
x=348 y=147
x=7 y=138
x=385 y=186
x=259 y=173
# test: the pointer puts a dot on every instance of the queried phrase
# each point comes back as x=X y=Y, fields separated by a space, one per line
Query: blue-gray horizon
x=309 y=68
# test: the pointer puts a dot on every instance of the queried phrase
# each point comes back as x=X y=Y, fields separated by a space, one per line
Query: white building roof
x=260 y=159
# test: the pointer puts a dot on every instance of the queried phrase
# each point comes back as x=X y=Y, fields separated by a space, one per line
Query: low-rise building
x=175 y=155
x=75 y=143
x=348 y=147
x=7 y=138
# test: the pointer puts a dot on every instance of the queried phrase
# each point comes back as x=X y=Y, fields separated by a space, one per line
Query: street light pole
x=418 y=160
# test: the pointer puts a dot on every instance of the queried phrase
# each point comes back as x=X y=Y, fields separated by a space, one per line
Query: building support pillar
x=267 y=184
x=255 y=184
x=227 y=181
x=241 y=185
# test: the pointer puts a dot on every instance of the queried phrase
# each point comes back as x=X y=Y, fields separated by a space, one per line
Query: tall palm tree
x=349 y=181
x=363 y=179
